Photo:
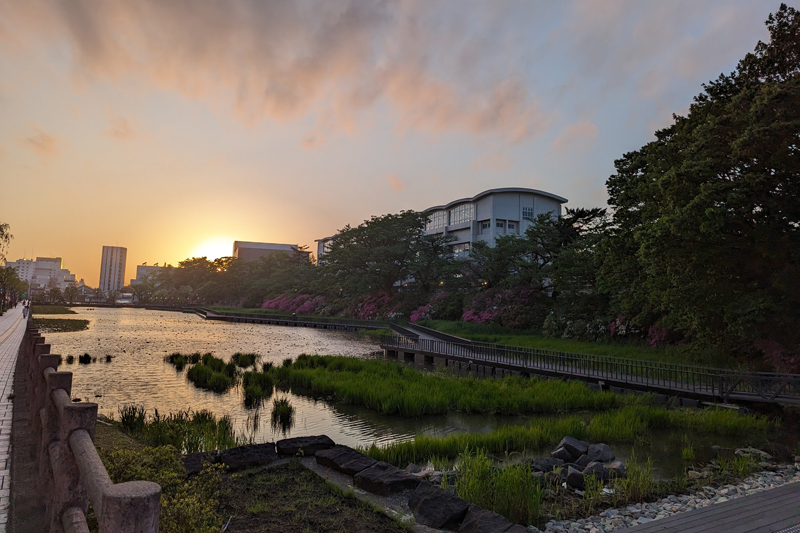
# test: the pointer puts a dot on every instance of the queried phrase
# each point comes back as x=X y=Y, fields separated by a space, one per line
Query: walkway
x=12 y=329
x=775 y=510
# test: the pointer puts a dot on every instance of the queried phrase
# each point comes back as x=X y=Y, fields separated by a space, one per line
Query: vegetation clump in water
x=187 y=431
x=282 y=415
x=394 y=389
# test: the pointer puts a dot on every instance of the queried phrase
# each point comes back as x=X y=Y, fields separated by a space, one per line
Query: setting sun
x=214 y=248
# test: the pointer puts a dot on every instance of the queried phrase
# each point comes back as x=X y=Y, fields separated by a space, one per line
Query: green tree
x=70 y=293
x=706 y=236
x=5 y=239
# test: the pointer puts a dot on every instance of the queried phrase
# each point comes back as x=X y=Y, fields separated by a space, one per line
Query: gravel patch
x=641 y=513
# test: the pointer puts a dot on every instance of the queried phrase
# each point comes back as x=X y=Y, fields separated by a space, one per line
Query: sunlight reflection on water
x=139 y=339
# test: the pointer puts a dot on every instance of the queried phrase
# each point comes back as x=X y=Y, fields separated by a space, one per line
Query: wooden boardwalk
x=685 y=381
x=775 y=510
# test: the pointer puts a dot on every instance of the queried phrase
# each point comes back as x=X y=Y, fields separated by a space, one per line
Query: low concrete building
x=43 y=273
x=489 y=215
x=248 y=251
x=143 y=271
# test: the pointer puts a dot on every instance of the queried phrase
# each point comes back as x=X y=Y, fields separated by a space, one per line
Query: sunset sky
x=174 y=128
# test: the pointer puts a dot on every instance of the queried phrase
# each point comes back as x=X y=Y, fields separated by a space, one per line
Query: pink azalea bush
x=301 y=304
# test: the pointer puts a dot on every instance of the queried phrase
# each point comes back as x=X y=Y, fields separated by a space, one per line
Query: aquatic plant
x=84 y=359
x=188 y=431
x=282 y=417
x=245 y=360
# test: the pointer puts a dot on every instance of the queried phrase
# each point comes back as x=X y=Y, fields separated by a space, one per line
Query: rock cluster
x=574 y=459
x=642 y=513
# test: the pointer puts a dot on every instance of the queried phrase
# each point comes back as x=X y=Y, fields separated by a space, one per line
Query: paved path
x=775 y=510
x=12 y=329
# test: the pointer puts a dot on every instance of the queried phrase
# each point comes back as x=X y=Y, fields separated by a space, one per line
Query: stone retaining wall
x=71 y=473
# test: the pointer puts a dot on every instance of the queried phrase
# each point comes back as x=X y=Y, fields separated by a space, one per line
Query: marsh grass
x=60 y=325
x=394 y=389
x=639 y=484
x=282 y=417
x=620 y=425
x=51 y=310
x=187 y=431
x=511 y=491
x=245 y=360
x=208 y=372
x=257 y=387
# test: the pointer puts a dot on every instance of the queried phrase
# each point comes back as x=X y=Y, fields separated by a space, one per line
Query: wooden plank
x=734 y=516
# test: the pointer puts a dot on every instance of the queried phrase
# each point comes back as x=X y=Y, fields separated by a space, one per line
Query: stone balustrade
x=71 y=474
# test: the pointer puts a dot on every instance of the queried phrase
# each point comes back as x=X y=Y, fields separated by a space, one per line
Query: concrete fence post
x=131 y=507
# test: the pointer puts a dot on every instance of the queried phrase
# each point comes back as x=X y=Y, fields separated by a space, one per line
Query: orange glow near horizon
x=214 y=248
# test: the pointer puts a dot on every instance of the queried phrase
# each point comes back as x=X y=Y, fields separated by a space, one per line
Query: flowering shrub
x=301 y=304
x=515 y=309
x=657 y=336
x=434 y=306
x=372 y=306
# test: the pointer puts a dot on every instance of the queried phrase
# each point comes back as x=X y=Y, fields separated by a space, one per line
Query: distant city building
x=143 y=271
x=490 y=214
x=248 y=251
x=112 y=268
x=43 y=273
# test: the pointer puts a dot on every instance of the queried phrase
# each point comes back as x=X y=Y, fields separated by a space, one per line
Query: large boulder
x=546 y=464
x=384 y=479
x=598 y=470
x=306 y=446
x=561 y=453
x=575 y=478
x=248 y=456
x=479 y=520
x=345 y=460
x=574 y=446
x=583 y=460
x=435 y=507
x=601 y=452
x=617 y=469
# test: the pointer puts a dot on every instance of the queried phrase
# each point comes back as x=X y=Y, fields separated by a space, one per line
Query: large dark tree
x=706 y=237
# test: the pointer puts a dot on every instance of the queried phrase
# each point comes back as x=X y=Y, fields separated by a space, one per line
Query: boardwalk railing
x=71 y=473
x=334 y=321
x=715 y=383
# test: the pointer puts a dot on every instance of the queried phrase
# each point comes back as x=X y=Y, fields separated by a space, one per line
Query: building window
x=485 y=226
x=437 y=219
x=461 y=249
x=501 y=224
x=512 y=225
x=527 y=213
x=462 y=213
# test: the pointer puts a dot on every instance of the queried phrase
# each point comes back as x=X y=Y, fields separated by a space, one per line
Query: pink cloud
x=331 y=61
x=120 y=128
x=582 y=133
x=42 y=143
x=395 y=183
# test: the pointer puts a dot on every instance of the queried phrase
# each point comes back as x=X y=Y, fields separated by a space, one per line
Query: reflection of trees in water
x=282 y=415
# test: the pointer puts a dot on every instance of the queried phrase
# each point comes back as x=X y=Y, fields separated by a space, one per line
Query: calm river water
x=139 y=339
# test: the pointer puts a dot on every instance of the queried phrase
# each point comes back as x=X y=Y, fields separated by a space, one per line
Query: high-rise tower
x=112 y=268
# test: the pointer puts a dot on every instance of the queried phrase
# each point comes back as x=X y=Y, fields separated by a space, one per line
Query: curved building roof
x=478 y=196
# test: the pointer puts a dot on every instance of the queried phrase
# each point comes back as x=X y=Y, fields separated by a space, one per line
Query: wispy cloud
x=42 y=143
x=120 y=128
x=331 y=61
x=582 y=133
x=395 y=183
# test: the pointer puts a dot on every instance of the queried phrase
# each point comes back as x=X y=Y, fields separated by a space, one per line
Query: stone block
x=345 y=460
x=193 y=462
x=479 y=520
x=384 y=479
x=546 y=464
x=575 y=478
x=307 y=446
x=251 y=456
x=598 y=470
x=561 y=454
x=436 y=507
x=574 y=446
x=583 y=460
x=601 y=452
x=617 y=469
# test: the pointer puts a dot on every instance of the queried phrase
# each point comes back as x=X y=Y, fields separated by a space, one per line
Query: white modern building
x=43 y=273
x=112 y=268
x=248 y=251
x=490 y=214
x=143 y=271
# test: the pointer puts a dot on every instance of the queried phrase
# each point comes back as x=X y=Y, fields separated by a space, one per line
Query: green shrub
x=245 y=360
x=186 y=504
